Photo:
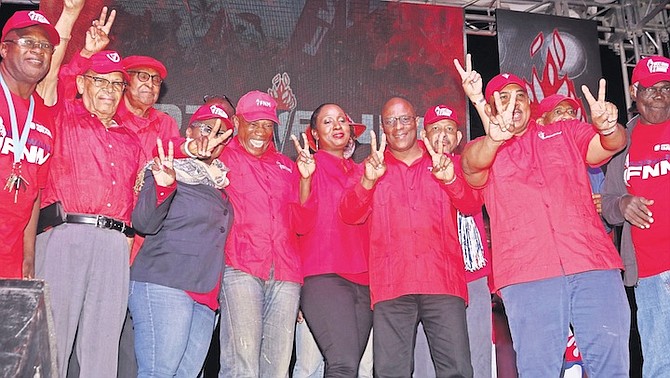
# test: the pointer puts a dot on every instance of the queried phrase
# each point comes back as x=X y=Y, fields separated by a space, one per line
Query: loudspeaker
x=27 y=341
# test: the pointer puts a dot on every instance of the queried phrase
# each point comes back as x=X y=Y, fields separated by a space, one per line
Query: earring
x=317 y=144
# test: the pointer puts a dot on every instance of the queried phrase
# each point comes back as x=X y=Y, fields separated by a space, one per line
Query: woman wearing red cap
x=335 y=298
x=174 y=281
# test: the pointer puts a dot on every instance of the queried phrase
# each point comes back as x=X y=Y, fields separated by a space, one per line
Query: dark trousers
x=443 y=318
x=339 y=316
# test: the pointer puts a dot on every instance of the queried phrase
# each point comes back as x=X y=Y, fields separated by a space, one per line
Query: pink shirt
x=647 y=174
x=327 y=244
x=414 y=245
x=264 y=194
x=34 y=169
x=94 y=168
x=538 y=195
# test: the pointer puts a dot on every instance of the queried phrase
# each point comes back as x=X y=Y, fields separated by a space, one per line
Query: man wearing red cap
x=441 y=120
x=409 y=196
x=637 y=195
x=26 y=137
x=84 y=255
x=554 y=264
x=261 y=281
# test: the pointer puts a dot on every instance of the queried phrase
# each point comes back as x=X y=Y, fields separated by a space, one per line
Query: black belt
x=101 y=221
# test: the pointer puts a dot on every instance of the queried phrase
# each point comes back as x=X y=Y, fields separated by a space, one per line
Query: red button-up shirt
x=155 y=125
x=414 y=245
x=94 y=168
x=327 y=244
x=264 y=194
x=34 y=169
x=538 y=195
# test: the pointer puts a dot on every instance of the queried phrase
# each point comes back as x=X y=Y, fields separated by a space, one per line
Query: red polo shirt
x=414 y=245
x=538 y=195
x=34 y=168
x=327 y=244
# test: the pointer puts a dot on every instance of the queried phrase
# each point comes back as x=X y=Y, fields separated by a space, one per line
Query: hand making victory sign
x=443 y=166
x=163 y=168
x=305 y=161
x=604 y=114
x=203 y=146
x=97 y=35
x=374 y=163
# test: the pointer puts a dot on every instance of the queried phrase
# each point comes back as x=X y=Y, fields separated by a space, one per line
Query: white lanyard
x=19 y=140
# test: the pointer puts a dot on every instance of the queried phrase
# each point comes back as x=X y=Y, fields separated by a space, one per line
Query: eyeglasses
x=99 y=82
x=206 y=129
x=145 y=76
x=219 y=97
x=404 y=120
x=31 y=44
x=652 y=91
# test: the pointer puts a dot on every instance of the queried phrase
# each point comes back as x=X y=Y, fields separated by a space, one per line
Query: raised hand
x=203 y=146
x=97 y=35
x=374 y=163
x=163 y=168
x=443 y=166
x=501 y=125
x=73 y=5
x=305 y=161
x=470 y=79
x=604 y=114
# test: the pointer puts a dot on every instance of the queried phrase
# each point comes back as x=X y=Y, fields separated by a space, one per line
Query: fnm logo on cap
x=37 y=17
x=445 y=112
x=260 y=102
x=114 y=57
x=218 y=111
x=657 y=66
x=505 y=75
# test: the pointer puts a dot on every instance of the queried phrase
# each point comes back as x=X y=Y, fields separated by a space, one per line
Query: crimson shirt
x=538 y=195
x=327 y=244
x=94 y=168
x=34 y=168
x=264 y=193
x=647 y=174
x=414 y=245
x=156 y=125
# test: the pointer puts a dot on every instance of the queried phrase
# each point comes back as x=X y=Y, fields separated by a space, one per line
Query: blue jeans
x=308 y=359
x=594 y=302
x=257 y=325
x=172 y=331
x=652 y=295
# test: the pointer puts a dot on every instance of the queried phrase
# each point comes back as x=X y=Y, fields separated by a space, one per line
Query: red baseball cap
x=104 y=62
x=438 y=113
x=651 y=70
x=550 y=102
x=358 y=129
x=206 y=112
x=141 y=61
x=256 y=105
x=24 y=19
x=500 y=81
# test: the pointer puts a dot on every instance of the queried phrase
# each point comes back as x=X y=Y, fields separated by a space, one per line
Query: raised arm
x=47 y=88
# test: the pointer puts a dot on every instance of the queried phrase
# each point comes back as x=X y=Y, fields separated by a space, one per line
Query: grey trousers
x=87 y=271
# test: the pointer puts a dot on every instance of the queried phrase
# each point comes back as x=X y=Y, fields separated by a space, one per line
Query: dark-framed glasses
x=145 y=76
x=225 y=98
x=30 y=44
x=100 y=82
x=404 y=120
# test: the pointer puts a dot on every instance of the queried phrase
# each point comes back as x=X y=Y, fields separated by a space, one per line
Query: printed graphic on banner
x=354 y=53
x=552 y=54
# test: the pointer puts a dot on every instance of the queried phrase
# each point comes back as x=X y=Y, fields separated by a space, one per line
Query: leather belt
x=101 y=221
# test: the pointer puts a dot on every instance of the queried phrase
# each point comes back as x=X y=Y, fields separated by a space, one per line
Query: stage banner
x=304 y=53
x=552 y=54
